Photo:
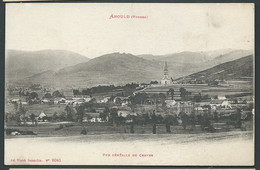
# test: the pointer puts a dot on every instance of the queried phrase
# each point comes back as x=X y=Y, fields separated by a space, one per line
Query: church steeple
x=166 y=80
x=165 y=69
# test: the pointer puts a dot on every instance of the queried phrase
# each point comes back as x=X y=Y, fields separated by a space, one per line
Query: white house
x=170 y=103
x=103 y=100
x=41 y=116
x=24 y=103
x=15 y=100
x=226 y=104
x=87 y=99
x=45 y=101
x=59 y=100
x=222 y=98
x=96 y=120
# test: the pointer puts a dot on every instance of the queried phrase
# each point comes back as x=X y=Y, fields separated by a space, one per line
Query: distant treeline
x=238 y=95
x=103 y=89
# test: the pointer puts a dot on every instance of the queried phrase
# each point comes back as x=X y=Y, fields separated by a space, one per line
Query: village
x=153 y=107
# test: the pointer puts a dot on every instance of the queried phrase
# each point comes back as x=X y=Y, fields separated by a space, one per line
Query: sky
x=87 y=29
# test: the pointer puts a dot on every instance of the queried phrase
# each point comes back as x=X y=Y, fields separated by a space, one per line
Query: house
x=226 y=104
x=200 y=110
x=222 y=98
x=204 y=103
x=170 y=103
x=75 y=103
x=184 y=107
x=16 y=101
x=102 y=99
x=45 y=101
x=24 y=103
x=115 y=107
x=80 y=97
x=42 y=117
x=125 y=113
x=69 y=101
x=89 y=118
x=100 y=110
x=125 y=103
x=214 y=104
x=87 y=99
x=59 y=100
x=120 y=100
x=97 y=119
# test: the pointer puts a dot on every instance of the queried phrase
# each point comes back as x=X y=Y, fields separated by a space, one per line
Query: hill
x=112 y=68
x=117 y=69
x=21 y=64
x=192 y=62
x=232 y=70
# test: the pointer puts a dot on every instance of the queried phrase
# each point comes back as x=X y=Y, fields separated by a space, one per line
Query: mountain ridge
x=21 y=64
x=119 y=69
x=232 y=70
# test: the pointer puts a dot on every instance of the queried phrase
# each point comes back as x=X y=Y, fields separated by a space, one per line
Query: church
x=166 y=80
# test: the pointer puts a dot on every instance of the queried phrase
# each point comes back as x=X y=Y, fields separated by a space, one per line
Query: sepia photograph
x=108 y=169
x=129 y=84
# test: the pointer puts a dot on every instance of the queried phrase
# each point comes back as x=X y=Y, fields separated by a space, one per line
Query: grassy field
x=228 y=88
x=74 y=129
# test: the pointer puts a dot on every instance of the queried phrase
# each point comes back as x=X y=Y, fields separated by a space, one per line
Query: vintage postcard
x=110 y=169
x=129 y=84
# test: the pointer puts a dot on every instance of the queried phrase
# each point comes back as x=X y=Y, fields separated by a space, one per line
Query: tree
x=185 y=120
x=161 y=98
x=62 y=116
x=168 y=123
x=55 y=116
x=21 y=112
x=153 y=117
x=205 y=122
x=154 y=128
x=69 y=113
x=15 y=106
x=154 y=82
x=212 y=83
x=35 y=87
x=132 y=128
x=33 y=95
x=139 y=98
x=238 y=118
x=168 y=127
x=146 y=118
x=47 y=95
x=103 y=115
x=183 y=93
x=57 y=93
x=171 y=92
x=76 y=92
x=197 y=98
x=80 y=112
x=113 y=115
x=192 y=120
x=215 y=115
x=32 y=117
